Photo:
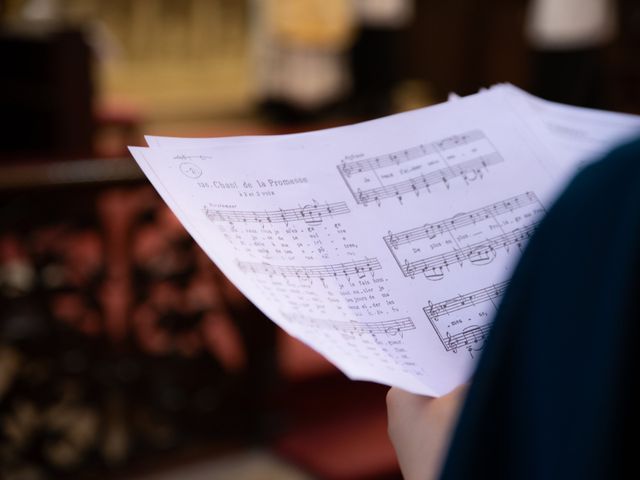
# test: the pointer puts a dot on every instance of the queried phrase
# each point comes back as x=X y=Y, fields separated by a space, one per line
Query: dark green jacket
x=554 y=394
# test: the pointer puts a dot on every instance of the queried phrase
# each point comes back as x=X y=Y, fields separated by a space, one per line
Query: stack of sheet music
x=384 y=245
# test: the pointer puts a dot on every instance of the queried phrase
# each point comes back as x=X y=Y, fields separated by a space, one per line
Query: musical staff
x=402 y=156
x=468 y=329
x=358 y=268
x=473 y=237
x=468 y=338
x=431 y=231
x=447 y=307
x=312 y=214
x=467 y=156
x=387 y=327
x=467 y=169
x=479 y=253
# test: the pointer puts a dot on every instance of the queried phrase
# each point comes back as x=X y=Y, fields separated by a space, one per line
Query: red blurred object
x=338 y=430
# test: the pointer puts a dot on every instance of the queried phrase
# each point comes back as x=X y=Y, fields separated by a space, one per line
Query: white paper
x=576 y=135
x=385 y=245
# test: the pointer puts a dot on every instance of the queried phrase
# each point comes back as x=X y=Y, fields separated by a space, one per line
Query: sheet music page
x=577 y=135
x=385 y=246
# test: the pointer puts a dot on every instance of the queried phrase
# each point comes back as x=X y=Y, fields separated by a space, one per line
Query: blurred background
x=124 y=353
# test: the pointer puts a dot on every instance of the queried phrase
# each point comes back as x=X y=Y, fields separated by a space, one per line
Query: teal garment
x=554 y=395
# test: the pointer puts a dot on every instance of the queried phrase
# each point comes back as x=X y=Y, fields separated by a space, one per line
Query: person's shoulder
x=629 y=148
x=623 y=160
x=615 y=174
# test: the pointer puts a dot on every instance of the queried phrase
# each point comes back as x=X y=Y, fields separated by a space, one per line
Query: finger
x=398 y=398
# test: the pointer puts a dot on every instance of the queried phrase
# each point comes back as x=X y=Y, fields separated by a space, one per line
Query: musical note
x=433 y=273
x=484 y=254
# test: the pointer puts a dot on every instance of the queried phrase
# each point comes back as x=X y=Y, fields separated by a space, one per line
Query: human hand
x=420 y=429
